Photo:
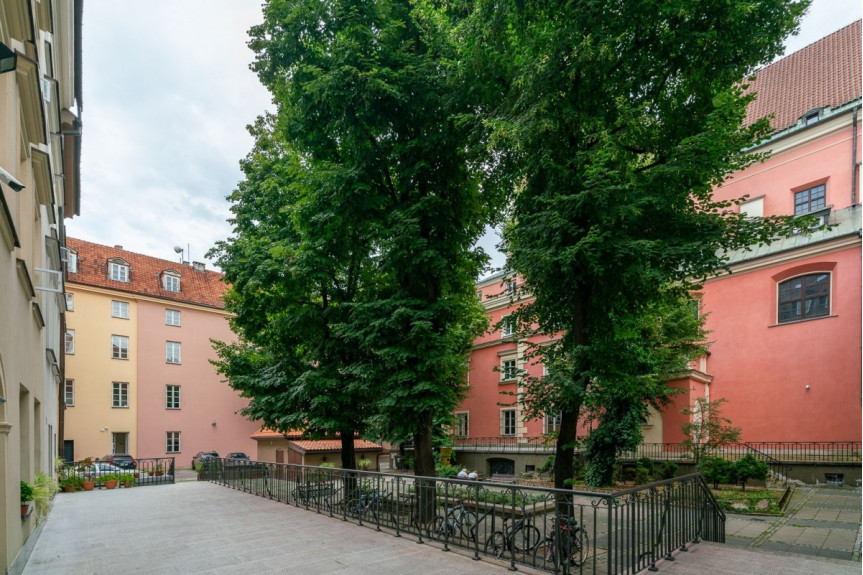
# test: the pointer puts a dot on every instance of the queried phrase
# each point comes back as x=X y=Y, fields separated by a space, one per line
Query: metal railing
x=560 y=531
x=147 y=471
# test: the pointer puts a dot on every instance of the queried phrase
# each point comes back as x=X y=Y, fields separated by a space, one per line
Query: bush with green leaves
x=716 y=470
x=748 y=467
x=547 y=466
x=668 y=469
x=26 y=492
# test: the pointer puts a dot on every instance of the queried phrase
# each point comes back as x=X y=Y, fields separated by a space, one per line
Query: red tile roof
x=824 y=74
x=270 y=434
x=312 y=445
x=196 y=287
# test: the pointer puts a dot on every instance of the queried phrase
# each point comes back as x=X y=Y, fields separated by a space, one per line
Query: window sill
x=121 y=358
x=507 y=381
x=796 y=321
x=119 y=407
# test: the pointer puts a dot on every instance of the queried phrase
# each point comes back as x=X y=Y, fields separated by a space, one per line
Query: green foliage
x=442 y=470
x=547 y=465
x=763 y=501
x=44 y=488
x=26 y=492
x=73 y=482
x=748 y=467
x=716 y=470
x=668 y=469
x=707 y=429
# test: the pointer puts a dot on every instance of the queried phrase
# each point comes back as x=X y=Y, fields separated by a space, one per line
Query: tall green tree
x=365 y=96
x=617 y=119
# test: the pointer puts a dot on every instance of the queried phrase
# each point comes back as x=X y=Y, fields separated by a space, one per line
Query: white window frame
x=507 y=326
x=173 y=352
x=173 y=442
x=69 y=342
x=506 y=426
x=171 y=282
x=511 y=287
x=173 y=397
x=508 y=373
x=72 y=262
x=119 y=347
x=118 y=308
x=551 y=423
x=70 y=301
x=69 y=392
x=119 y=394
x=170 y=314
x=118 y=272
x=461 y=424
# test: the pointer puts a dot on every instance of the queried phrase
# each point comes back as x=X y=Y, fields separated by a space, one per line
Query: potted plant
x=127 y=479
x=71 y=483
x=26 y=498
x=111 y=480
x=159 y=470
x=44 y=488
x=84 y=468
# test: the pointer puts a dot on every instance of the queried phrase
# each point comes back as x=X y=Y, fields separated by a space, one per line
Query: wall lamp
x=8 y=59
x=214 y=424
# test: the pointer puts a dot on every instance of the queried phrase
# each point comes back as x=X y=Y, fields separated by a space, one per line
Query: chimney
x=198 y=266
x=116 y=247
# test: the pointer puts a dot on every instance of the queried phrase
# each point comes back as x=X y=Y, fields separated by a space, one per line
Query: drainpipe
x=854 y=158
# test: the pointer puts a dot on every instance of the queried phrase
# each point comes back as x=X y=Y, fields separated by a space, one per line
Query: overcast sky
x=167 y=97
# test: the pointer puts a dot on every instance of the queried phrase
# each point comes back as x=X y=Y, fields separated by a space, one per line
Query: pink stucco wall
x=204 y=397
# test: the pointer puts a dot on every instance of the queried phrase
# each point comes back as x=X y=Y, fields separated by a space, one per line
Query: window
x=507 y=370
x=119 y=394
x=172 y=352
x=507 y=422
x=171 y=282
x=753 y=208
x=70 y=342
x=478 y=295
x=507 y=326
x=810 y=200
x=461 y=427
x=72 y=262
x=510 y=287
x=120 y=309
x=811 y=117
x=552 y=423
x=69 y=392
x=172 y=317
x=804 y=297
x=70 y=301
x=119 y=347
x=172 y=442
x=172 y=397
x=118 y=272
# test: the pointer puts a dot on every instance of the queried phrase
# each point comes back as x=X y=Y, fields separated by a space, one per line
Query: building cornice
x=146 y=298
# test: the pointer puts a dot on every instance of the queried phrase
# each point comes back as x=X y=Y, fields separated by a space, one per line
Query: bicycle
x=366 y=502
x=521 y=537
x=574 y=547
x=457 y=519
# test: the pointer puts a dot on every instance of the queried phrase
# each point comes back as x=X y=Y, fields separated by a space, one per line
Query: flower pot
x=25 y=510
x=69 y=489
x=128 y=483
x=111 y=484
x=89 y=485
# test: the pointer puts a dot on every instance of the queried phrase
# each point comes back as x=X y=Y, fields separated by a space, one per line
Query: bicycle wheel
x=579 y=547
x=466 y=522
x=526 y=538
x=496 y=544
x=442 y=528
x=543 y=555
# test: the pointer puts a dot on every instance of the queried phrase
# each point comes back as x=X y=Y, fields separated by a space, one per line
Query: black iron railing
x=147 y=471
x=560 y=531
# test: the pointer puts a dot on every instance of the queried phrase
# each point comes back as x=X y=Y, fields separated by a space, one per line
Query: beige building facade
x=40 y=129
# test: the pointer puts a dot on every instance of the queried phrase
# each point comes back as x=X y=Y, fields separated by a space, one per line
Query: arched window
x=804 y=297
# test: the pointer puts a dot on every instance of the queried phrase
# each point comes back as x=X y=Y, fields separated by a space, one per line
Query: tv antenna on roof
x=179 y=250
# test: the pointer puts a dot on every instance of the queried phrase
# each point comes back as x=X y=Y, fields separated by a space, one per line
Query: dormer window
x=811 y=117
x=171 y=281
x=118 y=270
x=72 y=262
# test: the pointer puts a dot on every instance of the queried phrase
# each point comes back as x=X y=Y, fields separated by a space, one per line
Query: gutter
x=854 y=164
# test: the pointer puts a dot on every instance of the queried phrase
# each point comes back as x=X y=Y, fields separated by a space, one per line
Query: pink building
x=785 y=323
x=138 y=352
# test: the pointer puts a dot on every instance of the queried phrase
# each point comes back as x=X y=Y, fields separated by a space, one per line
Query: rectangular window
x=172 y=283
x=119 y=272
x=552 y=423
x=511 y=287
x=479 y=295
x=69 y=392
x=70 y=301
x=810 y=200
x=172 y=397
x=461 y=424
x=172 y=317
x=70 y=342
x=119 y=394
x=172 y=352
x=119 y=347
x=507 y=422
x=172 y=442
x=72 y=262
x=507 y=326
x=507 y=370
x=120 y=309
x=804 y=297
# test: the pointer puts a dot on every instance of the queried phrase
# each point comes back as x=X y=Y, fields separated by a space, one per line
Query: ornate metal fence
x=559 y=531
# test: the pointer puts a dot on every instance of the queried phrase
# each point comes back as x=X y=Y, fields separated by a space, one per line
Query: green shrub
x=668 y=469
x=716 y=470
x=748 y=467
x=26 y=492
x=547 y=466
x=442 y=470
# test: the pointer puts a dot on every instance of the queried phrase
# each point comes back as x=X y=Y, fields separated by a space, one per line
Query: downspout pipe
x=854 y=157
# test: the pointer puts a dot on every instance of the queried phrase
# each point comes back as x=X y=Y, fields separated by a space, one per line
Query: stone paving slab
x=197 y=527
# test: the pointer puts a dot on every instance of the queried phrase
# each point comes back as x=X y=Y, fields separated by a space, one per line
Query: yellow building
x=40 y=128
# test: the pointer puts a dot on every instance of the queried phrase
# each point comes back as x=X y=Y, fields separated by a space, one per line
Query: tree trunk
x=348 y=453
x=424 y=467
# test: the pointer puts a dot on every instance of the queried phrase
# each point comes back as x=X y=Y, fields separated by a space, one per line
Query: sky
x=167 y=96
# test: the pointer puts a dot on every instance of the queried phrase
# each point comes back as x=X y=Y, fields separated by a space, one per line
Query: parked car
x=122 y=460
x=100 y=469
x=238 y=455
x=203 y=455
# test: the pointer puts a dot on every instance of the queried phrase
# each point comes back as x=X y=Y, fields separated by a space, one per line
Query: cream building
x=40 y=129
